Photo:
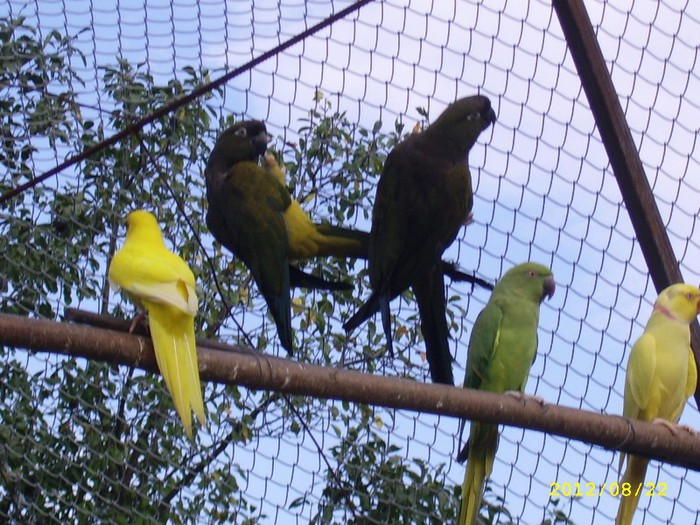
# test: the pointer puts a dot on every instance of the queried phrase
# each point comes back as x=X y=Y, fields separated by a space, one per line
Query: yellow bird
x=661 y=375
x=161 y=283
x=306 y=239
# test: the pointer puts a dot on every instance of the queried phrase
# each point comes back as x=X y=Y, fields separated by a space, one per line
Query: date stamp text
x=615 y=489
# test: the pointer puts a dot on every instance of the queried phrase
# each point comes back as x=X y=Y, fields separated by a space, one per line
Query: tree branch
x=243 y=366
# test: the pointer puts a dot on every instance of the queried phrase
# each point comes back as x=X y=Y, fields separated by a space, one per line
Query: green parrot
x=252 y=214
x=424 y=196
x=502 y=348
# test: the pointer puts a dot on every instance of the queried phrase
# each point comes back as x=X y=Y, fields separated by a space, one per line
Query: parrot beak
x=489 y=116
x=548 y=288
x=260 y=142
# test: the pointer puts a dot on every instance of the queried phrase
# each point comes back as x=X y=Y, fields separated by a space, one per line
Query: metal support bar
x=622 y=151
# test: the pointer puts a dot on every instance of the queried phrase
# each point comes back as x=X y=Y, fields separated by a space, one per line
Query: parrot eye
x=241 y=132
x=532 y=273
x=690 y=296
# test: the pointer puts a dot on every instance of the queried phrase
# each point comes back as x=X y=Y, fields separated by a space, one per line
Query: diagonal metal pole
x=622 y=151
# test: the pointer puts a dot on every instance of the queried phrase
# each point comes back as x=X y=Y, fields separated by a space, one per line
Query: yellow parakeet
x=661 y=375
x=306 y=239
x=161 y=283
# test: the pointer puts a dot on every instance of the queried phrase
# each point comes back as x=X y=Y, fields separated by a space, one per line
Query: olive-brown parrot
x=423 y=198
x=252 y=214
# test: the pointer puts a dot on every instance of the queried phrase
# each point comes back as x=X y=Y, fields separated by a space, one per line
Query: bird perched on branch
x=161 y=283
x=424 y=196
x=502 y=348
x=661 y=375
x=252 y=213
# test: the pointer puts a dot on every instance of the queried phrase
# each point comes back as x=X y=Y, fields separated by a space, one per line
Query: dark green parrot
x=502 y=348
x=424 y=196
x=252 y=214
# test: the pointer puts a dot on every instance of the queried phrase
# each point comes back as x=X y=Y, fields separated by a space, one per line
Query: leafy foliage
x=75 y=434
x=375 y=484
x=37 y=110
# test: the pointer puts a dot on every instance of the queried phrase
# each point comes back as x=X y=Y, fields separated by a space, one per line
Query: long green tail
x=483 y=443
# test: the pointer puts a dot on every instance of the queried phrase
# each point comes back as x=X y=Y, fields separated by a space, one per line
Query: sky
x=544 y=189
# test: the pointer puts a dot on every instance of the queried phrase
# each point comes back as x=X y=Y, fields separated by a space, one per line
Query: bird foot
x=138 y=319
x=674 y=428
x=690 y=430
x=520 y=396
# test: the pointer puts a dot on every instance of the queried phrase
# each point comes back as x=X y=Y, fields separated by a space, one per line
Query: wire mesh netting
x=83 y=441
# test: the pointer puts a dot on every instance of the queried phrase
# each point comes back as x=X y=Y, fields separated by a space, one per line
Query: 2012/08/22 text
x=615 y=489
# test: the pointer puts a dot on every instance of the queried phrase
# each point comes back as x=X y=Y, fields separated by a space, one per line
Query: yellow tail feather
x=634 y=475
x=472 y=490
x=483 y=442
x=172 y=333
x=307 y=239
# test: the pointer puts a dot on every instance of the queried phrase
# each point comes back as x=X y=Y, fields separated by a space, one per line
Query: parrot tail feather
x=193 y=386
x=472 y=489
x=281 y=310
x=471 y=499
x=464 y=453
x=429 y=290
x=301 y=279
x=451 y=270
x=378 y=301
x=364 y=312
x=172 y=333
x=342 y=242
x=634 y=475
x=386 y=322
x=482 y=451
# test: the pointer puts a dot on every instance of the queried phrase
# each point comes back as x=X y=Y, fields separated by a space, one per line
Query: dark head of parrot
x=244 y=141
x=462 y=122
x=530 y=281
